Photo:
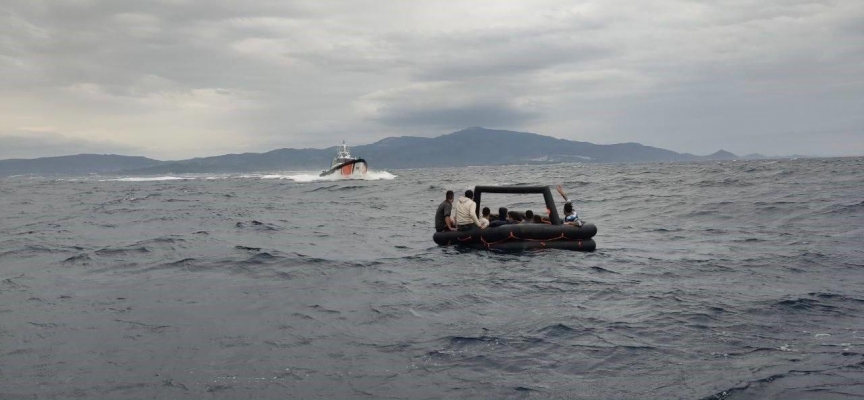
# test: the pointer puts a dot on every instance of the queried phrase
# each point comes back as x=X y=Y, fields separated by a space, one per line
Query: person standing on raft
x=443 y=222
x=465 y=212
x=570 y=216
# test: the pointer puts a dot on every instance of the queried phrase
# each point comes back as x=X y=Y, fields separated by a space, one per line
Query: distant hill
x=722 y=155
x=472 y=146
x=480 y=146
x=282 y=159
x=81 y=164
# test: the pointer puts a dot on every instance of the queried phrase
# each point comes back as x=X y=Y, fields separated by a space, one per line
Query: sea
x=711 y=280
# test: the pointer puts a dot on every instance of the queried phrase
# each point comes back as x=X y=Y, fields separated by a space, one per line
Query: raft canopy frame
x=547 y=196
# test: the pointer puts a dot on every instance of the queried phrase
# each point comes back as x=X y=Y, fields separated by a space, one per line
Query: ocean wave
x=159 y=240
x=147 y=179
x=842 y=209
x=832 y=382
x=78 y=259
x=835 y=297
x=262 y=258
x=258 y=225
x=728 y=182
x=29 y=251
x=557 y=331
x=349 y=187
x=808 y=305
x=322 y=188
x=315 y=177
x=13 y=284
x=122 y=251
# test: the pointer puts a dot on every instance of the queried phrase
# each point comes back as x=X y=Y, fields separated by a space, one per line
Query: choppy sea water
x=730 y=280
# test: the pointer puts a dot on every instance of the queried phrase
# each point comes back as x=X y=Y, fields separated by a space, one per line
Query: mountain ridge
x=470 y=146
x=79 y=164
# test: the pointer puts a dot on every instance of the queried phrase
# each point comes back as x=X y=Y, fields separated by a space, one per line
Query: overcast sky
x=174 y=79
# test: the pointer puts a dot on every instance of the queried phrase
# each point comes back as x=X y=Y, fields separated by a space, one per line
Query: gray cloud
x=48 y=144
x=454 y=118
x=188 y=78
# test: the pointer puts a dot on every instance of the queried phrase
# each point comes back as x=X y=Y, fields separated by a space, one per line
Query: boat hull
x=587 y=245
x=346 y=169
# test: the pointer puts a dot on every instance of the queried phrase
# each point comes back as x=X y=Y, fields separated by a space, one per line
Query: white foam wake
x=299 y=176
x=313 y=177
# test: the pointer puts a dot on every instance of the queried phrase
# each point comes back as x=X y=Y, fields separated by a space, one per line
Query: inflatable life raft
x=522 y=236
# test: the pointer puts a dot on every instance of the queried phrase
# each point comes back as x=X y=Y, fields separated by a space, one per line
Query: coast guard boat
x=345 y=165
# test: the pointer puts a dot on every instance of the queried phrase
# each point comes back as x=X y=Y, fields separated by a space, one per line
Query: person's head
x=486 y=212
x=568 y=208
x=469 y=194
x=449 y=196
x=513 y=215
x=538 y=219
x=502 y=213
x=529 y=215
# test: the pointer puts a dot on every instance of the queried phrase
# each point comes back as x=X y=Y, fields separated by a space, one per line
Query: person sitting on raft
x=484 y=220
x=570 y=216
x=502 y=218
x=529 y=217
x=465 y=212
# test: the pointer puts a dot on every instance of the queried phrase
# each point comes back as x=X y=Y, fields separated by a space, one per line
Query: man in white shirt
x=570 y=216
x=465 y=212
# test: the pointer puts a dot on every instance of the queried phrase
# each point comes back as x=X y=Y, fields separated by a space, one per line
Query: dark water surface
x=711 y=280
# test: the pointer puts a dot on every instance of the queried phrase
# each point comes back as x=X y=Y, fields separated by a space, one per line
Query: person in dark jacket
x=502 y=218
x=443 y=222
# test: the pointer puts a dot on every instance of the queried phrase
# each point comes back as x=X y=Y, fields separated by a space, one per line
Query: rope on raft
x=511 y=236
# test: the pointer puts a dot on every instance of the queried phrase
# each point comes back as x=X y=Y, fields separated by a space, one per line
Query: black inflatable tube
x=517 y=246
x=515 y=233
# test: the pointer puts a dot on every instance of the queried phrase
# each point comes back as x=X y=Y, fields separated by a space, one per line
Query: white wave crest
x=148 y=179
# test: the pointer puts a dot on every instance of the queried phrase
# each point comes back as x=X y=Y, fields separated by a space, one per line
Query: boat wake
x=301 y=177
x=314 y=177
